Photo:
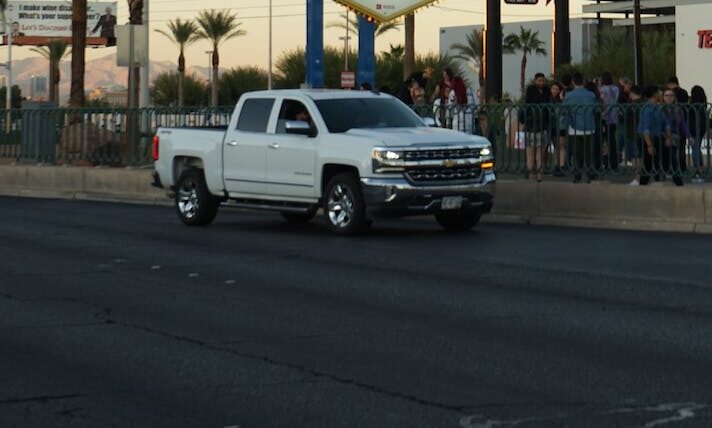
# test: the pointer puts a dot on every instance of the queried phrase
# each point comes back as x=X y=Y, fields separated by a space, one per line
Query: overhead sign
x=123 y=51
x=524 y=1
x=385 y=10
x=54 y=18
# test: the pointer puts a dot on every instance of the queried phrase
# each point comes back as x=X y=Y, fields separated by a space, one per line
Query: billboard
x=54 y=18
x=385 y=10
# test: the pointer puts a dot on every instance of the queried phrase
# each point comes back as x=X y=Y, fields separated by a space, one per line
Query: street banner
x=385 y=10
x=54 y=18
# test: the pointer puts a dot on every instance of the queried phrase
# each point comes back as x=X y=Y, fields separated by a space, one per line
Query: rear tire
x=458 y=221
x=194 y=204
x=344 y=207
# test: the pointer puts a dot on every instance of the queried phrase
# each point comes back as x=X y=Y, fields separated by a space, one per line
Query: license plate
x=451 y=203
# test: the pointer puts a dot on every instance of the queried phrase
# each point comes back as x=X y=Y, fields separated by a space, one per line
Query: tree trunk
x=481 y=81
x=54 y=82
x=409 y=54
x=181 y=78
x=216 y=64
x=79 y=35
x=522 y=75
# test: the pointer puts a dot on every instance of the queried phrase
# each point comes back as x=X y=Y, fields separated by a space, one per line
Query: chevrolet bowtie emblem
x=449 y=163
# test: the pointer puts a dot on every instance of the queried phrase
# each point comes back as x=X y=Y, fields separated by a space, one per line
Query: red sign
x=705 y=41
x=348 y=79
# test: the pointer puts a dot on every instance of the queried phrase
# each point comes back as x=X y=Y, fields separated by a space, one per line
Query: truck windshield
x=341 y=115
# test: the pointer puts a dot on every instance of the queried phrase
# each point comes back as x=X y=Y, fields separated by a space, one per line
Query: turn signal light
x=488 y=165
x=154 y=147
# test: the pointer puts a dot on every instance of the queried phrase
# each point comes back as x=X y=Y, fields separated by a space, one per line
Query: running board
x=269 y=206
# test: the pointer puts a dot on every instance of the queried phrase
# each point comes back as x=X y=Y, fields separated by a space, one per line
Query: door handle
x=232 y=144
x=274 y=146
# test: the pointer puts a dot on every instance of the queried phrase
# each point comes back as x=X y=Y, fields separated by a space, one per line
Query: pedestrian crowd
x=585 y=128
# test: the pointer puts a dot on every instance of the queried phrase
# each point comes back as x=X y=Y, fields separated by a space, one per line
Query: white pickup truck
x=356 y=154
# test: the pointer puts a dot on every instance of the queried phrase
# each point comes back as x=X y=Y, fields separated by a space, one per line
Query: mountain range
x=100 y=72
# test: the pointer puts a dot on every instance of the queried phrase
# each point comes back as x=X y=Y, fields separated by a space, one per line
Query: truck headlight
x=387 y=161
x=486 y=151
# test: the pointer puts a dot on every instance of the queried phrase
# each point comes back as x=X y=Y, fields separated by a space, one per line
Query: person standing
x=580 y=106
x=652 y=131
x=699 y=127
x=609 y=96
x=630 y=115
x=676 y=137
x=536 y=118
x=674 y=84
x=559 y=128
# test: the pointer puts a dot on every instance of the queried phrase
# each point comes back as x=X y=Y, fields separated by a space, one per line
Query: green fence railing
x=103 y=136
x=577 y=141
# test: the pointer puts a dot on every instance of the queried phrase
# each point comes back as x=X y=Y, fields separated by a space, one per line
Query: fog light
x=488 y=165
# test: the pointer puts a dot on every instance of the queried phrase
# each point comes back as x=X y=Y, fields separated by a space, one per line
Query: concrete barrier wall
x=600 y=204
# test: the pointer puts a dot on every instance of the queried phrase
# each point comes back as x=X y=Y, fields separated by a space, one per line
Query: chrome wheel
x=340 y=206
x=188 y=199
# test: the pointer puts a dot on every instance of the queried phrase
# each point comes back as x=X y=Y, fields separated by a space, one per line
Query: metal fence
x=105 y=136
x=575 y=141
x=589 y=141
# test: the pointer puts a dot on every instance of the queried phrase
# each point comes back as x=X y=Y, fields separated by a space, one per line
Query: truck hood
x=398 y=137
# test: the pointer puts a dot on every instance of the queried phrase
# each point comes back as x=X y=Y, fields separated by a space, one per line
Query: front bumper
x=396 y=196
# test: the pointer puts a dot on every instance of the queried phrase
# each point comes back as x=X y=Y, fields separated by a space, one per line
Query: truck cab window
x=255 y=114
x=292 y=110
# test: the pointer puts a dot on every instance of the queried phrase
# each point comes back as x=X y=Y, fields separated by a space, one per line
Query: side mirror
x=430 y=122
x=298 y=127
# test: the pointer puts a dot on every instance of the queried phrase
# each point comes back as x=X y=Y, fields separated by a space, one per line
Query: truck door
x=245 y=149
x=291 y=159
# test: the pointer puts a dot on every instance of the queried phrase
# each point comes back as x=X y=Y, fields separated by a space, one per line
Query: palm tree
x=473 y=52
x=353 y=25
x=79 y=37
x=528 y=42
x=182 y=33
x=217 y=26
x=55 y=51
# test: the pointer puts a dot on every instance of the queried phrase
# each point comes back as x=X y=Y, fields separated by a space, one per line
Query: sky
x=289 y=27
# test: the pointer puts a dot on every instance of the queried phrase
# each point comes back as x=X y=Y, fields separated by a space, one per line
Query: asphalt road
x=118 y=316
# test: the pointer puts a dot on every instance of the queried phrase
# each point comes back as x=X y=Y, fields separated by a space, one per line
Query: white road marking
x=155 y=267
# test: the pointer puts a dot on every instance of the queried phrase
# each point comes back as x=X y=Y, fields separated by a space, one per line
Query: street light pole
x=210 y=66
x=8 y=90
x=145 y=68
x=637 y=43
x=346 y=43
x=269 y=62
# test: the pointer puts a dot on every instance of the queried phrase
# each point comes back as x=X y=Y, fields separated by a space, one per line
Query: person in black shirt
x=680 y=94
x=535 y=117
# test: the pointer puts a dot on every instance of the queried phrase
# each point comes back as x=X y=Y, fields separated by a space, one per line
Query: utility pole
x=145 y=68
x=637 y=43
x=269 y=61
x=8 y=89
x=562 y=34
x=493 y=51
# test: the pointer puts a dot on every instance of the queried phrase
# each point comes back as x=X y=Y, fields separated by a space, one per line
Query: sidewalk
x=599 y=205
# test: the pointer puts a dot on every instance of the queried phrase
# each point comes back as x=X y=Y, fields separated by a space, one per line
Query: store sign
x=385 y=10
x=705 y=39
x=54 y=18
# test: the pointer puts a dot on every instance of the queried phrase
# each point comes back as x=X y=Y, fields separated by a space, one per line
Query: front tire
x=458 y=221
x=344 y=207
x=194 y=204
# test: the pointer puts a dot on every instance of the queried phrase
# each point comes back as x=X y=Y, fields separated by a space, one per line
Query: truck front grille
x=442 y=175
x=441 y=154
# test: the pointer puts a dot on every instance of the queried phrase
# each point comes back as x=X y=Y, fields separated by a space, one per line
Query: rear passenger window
x=254 y=115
